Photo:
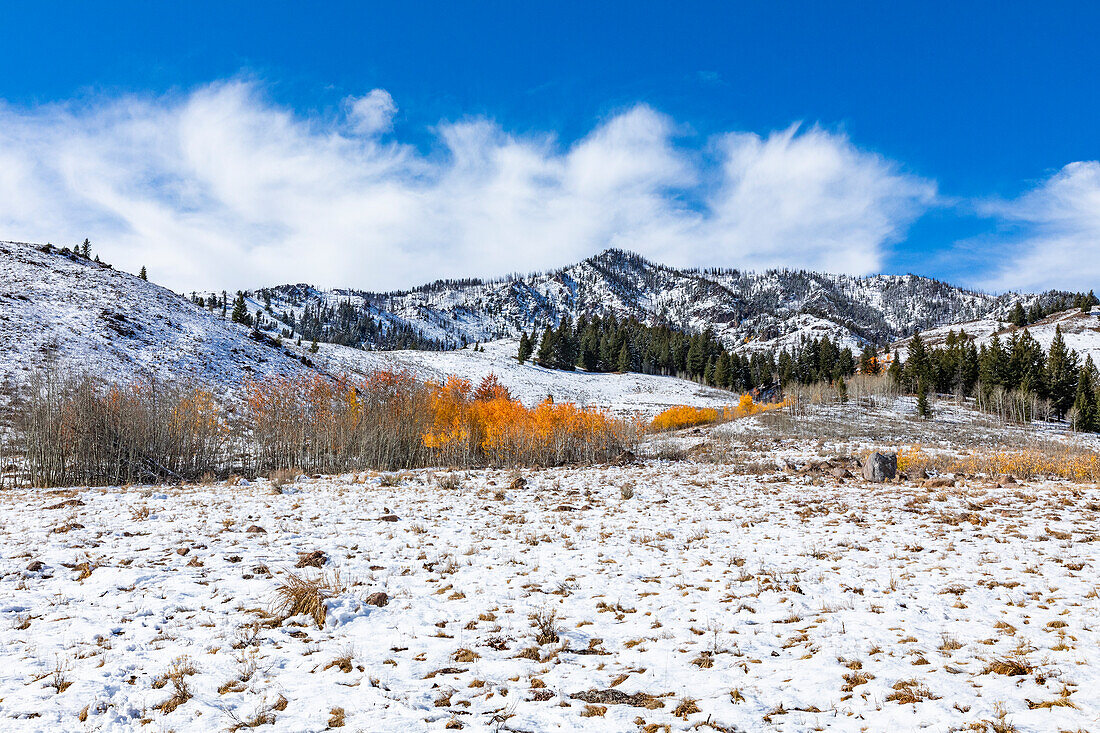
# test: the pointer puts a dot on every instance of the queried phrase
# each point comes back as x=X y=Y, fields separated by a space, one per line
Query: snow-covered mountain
x=61 y=309
x=747 y=311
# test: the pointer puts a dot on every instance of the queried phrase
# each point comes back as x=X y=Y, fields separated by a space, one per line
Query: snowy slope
x=625 y=393
x=1081 y=332
x=746 y=310
x=61 y=309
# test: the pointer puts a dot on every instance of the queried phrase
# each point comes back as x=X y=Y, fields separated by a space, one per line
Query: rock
x=518 y=483
x=314 y=559
x=377 y=599
x=388 y=518
x=256 y=529
x=36 y=566
x=841 y=473
x=940 y=482
x=880 y=467
x=1007 y=480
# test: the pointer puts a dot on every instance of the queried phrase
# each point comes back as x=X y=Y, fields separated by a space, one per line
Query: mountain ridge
x=747 y=310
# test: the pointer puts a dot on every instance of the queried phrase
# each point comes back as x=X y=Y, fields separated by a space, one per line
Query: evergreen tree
x=1084 y=403
x=314 y=348
x=1018 y=317
x=896 y=369
x=86 y=248
x=1061 y=375
x=546 y=349
x=722 y=371
x=622 y=364
x=868 y=360
x=589 y=358
x=240 y=311
x=696 y=358
x=924 y=409
x=565 y=349
x=143 y=274
x=917 y=366
x=842 y=389
x=525 y=349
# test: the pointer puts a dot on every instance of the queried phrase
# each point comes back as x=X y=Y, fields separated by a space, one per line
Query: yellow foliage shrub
x=684 y=416
x=1059 y=462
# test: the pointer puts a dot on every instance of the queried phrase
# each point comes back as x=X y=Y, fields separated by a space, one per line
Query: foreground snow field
x=739 y=596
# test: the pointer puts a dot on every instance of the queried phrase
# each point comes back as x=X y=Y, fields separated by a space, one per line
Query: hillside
x=1081 y=332
x=61 y=310
x=747 y=311
x=644 y=394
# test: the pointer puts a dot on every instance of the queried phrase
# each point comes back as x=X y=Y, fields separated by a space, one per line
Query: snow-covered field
x=744 y=596
x=628 y=393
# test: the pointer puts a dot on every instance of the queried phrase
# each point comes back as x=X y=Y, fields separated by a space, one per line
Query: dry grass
x=301 y=595
x=177 y=676
x=1014 y=666
x=1037 y=461
x=546 y=623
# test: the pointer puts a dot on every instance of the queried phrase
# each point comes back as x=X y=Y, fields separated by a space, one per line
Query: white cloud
x=1059 y=245
x=372 y=113
x=221 y=188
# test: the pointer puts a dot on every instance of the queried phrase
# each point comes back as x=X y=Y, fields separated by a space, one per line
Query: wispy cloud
x=1057 y=242
x=220 y=187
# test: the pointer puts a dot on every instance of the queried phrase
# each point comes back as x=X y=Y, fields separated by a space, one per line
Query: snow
x=78 y=316
x=774 y=598
x=628 y=393
x=1081 y=332
x=747 y=311
x=82 y=317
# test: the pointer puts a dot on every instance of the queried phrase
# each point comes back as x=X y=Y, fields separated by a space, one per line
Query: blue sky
x=379 y=145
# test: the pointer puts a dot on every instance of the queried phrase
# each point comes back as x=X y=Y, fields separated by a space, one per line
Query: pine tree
x=525 y=348
x=696 y=358
x=722 y=371
x=1018 y=317
x=896 y=369
x=546 y=348
x=924 y=409
x=868 y=361
x=842 y=389
x=589 y=358
x=143 y=274
x=565 y=350
x=1061 y=375
x=622 y=364
x=240 y=311
x=314 y=348
x=1084 y=403
x=86 y=248
x=917 y=367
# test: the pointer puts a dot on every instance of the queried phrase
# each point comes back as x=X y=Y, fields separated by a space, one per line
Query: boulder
x=880 y=467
